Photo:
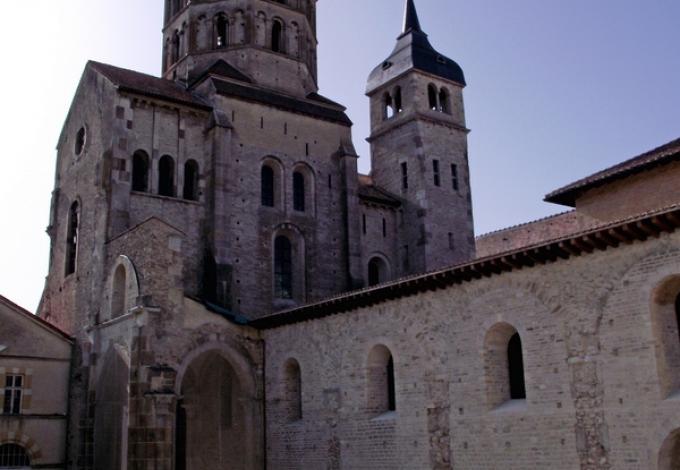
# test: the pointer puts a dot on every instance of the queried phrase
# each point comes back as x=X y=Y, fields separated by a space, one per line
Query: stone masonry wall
x=590 y=355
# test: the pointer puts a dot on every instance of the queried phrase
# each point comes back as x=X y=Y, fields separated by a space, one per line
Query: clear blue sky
x=557 y=90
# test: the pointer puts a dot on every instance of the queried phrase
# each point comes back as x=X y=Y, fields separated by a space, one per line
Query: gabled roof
x=34 y=318
x=665 y=154
x=223 y=69
x=371 y=193
x=316 y=108
x=148 y=85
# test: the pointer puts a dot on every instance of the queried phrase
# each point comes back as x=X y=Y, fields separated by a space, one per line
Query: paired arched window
x=293 y=390
x=283 y=268
x=119 y=292
x=267 y=186
x=72 y=238
x=191 y=180
x=277 y=36
x=140 y=171
x=14 y=456
x=299 y=191
x=221 y=31
x=166 y=176
x=381 y=386
x=438 y=100
x=504 y=365
x=392 y=104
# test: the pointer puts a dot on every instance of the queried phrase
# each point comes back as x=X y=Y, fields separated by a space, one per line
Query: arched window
x=72 y=238
x=397 y=100
x=277 y=36
x=665 y=316
x=119 y=292
x=516 y=368
x=175 y=47
x=377 y=271
x=14 y=456
x=444 y=105
x=388 y=106
x=166 y=176
x=80 y=141
x=381 y=383
x=140 y=171
x=267 y=186
x=298 y=191
x=221 y=31
x=191 y=180
x=432 y=97
x=504 y=365
x=283 y=268
x=293 y=390
x=669 y=454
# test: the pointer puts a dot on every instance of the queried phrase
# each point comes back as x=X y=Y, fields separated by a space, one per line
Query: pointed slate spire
x=411 y=22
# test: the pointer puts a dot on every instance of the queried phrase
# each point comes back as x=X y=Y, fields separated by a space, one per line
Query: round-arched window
x=80 y=141
x=14 y=456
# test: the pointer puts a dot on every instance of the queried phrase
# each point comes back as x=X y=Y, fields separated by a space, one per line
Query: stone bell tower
x=273 y=42
x=419 y=148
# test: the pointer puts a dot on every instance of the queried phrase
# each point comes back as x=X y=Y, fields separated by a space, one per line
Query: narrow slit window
x=391 y=386
x=454 y=177
x=384 y=227
x=397 y=101
x=432 y=97
x=435 y=173
x=283 y=268
x=363 y=223
x=72 y=238
x=298 y=191
x=267 y=186
x=404 y=175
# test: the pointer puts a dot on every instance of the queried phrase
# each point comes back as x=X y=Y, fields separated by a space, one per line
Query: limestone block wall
x=594 y=394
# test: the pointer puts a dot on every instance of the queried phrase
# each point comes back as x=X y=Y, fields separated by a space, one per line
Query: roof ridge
x=524 y=224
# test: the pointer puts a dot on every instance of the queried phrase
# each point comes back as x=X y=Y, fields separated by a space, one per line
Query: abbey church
x=226 y=291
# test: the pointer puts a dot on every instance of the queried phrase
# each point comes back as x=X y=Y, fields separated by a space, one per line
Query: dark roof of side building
x=22 y=311
x=370 y=193
x=148 y=85
x=667 y=153
x=414 y=52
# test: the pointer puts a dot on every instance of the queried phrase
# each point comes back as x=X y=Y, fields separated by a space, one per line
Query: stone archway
x=214 y=416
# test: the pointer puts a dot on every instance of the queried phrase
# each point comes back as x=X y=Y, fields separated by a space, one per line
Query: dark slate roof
x=334 y=113
x=148 y=85
x=222 y=69
x=667 y=153
x=414 y=52
x=371 y=193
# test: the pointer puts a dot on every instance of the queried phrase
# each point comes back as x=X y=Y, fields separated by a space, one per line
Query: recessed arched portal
x=214 y=416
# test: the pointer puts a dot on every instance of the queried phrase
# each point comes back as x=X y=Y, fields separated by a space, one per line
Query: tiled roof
x=667 y=153
x=626 y=231
x=371 y=193
x=22 y=311
x=148 y=85
x=334 y=113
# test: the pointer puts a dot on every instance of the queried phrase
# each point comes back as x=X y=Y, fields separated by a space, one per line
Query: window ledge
x=388 y=416
x=511 y=406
